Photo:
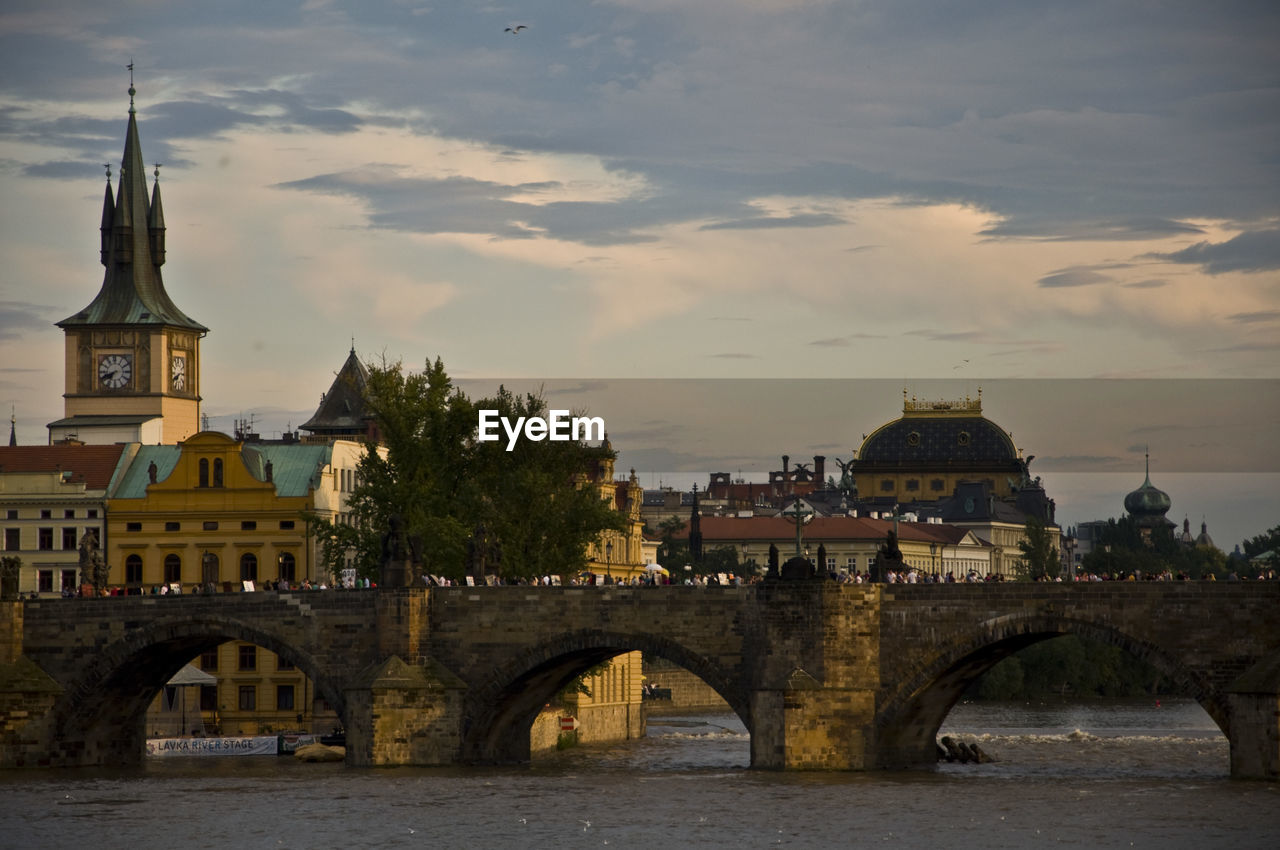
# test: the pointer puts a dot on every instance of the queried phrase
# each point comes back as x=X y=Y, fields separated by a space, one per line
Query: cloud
x=1256 y=316
x=19 y=317
x=766 y=222
x=1073 y=277
x=1252 y=251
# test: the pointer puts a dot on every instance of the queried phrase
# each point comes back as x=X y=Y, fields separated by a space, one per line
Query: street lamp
x=933 y=556
x=608 y=561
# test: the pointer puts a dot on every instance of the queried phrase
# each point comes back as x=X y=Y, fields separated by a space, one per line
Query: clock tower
x=132 y=357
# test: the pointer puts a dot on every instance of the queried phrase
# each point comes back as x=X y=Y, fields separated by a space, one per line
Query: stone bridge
x=825 y=676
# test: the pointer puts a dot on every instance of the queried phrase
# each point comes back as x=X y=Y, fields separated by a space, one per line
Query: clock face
x=178 y=371
x=115 y=370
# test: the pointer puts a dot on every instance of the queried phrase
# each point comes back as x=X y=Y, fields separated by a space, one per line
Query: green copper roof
x=132 y=290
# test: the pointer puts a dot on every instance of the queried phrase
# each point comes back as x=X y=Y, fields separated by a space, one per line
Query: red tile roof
x=94 y=465
x=743 y=529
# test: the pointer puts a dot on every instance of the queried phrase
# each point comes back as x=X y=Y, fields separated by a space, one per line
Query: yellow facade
x=619 y=554
x=257 y=693
x=208 y=505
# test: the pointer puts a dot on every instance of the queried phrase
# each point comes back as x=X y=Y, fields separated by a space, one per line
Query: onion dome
x=1148 y=504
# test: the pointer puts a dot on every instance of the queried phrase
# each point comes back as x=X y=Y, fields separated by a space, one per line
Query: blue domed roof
x=940 y=433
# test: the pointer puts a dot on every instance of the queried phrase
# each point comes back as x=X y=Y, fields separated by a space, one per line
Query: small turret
x=155 y=223
x=122 y=221
x=108 y=214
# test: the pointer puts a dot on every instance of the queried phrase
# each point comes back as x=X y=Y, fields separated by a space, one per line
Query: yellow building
x=218 y=510
x=618 y=554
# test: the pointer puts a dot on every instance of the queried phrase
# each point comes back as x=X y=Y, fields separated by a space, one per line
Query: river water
x=1107 y=774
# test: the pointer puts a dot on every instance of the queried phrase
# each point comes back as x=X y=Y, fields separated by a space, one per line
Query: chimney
x=819 y=471
x=786 y=464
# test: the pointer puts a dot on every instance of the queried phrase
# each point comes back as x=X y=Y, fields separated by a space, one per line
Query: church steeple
x=132 y=291
x=132 y=357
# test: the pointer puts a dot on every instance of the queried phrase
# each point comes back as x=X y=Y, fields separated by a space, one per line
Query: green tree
x=1039 y=556
x=534 y=507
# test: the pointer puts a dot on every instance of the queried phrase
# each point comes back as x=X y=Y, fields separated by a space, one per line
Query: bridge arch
x=106 y=706
x=910 y=714
x=499 y=711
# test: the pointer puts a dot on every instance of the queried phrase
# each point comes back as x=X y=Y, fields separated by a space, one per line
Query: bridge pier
x=808 y=727
x=405 y=714
x=1253 y=702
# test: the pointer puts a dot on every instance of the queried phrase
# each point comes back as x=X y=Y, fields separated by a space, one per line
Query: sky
x=1060 y=203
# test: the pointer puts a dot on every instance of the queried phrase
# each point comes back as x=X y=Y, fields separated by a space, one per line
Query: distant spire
x=13 y=429
x=132 y=90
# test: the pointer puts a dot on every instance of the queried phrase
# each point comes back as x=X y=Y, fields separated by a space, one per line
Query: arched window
x=133 y=570
x=217 y=472
x=287 y=567
x=248 y=567
x=204 y=472
x=172 y=569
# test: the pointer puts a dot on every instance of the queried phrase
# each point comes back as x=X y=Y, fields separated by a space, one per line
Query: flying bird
x=516 y=29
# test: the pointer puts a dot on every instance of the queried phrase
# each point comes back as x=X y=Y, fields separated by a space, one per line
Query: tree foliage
x=532 y=508
x=1039 y=556
x=1122 y=550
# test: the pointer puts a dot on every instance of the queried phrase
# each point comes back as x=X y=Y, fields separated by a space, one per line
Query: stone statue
x=93 y=567
x=890 y=556
x=847 y=485
x=209 y=572
x=399 y=555
x=152 y=472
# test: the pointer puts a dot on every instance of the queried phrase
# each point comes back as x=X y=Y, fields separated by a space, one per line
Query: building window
x=12 y=538
x=68 y=538
x=284 y=664
x=44 y=538
x=937 y=485
x=286 y=525
x=133 y=569
x=46 y=514
x=886 y=485
x=248 y=657
x=210 y=526
x=913 y=484
x=209 y=660
x=217 y=472
x=204 y=472
x=92 y=513
x=963 y=438
x=68 y=581
x=248 y=567
x=248 y=698
x=173 y=526
x=69 y=513
x=853 y=563
x=288 y=567
x=284 y=697
x=133 y=526
x=45 y=581
x=172 y=569
x=208 y=697
x=11 y=514
x=248 y=525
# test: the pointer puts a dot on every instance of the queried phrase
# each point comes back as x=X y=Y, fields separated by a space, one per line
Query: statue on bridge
x=400 y=555
x=484 y=554
x=889 y=556
x=93 y=567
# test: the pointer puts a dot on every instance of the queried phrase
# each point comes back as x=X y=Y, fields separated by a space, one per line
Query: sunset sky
x=937 y=195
